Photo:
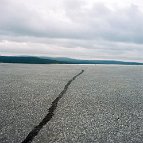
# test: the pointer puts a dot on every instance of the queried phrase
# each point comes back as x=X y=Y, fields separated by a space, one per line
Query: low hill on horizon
x=58 y=60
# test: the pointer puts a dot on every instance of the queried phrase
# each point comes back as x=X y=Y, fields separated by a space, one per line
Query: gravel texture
x=103 y=105
x=26 y=93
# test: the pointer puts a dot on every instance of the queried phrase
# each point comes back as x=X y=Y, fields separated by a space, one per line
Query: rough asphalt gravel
x=103 y=105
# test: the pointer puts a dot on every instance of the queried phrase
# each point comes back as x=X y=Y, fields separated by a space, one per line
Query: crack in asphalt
x=50 y=114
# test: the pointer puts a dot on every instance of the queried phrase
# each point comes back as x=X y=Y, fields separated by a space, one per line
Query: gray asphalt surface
x=103 y=105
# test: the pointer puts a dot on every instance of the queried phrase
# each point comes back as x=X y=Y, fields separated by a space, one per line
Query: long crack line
x=50 y=114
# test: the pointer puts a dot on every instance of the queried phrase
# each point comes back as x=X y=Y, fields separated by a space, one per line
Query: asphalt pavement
x=104 y=104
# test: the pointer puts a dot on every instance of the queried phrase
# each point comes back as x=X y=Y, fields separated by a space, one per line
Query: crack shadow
x=50 y=114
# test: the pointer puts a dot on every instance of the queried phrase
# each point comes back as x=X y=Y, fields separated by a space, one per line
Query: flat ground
x=102 y=105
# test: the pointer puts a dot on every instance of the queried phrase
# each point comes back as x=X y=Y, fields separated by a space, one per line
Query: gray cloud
x=92 y=30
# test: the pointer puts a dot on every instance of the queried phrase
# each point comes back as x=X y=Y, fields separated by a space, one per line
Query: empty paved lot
x=103 y=104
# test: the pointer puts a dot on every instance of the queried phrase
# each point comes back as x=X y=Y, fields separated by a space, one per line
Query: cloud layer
x=96 y=29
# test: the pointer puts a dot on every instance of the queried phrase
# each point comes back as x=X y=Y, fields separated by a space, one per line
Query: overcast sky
x=85 y=29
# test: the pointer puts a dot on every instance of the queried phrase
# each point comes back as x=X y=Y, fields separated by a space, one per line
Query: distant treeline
x=49 y=60
x=27 y=60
